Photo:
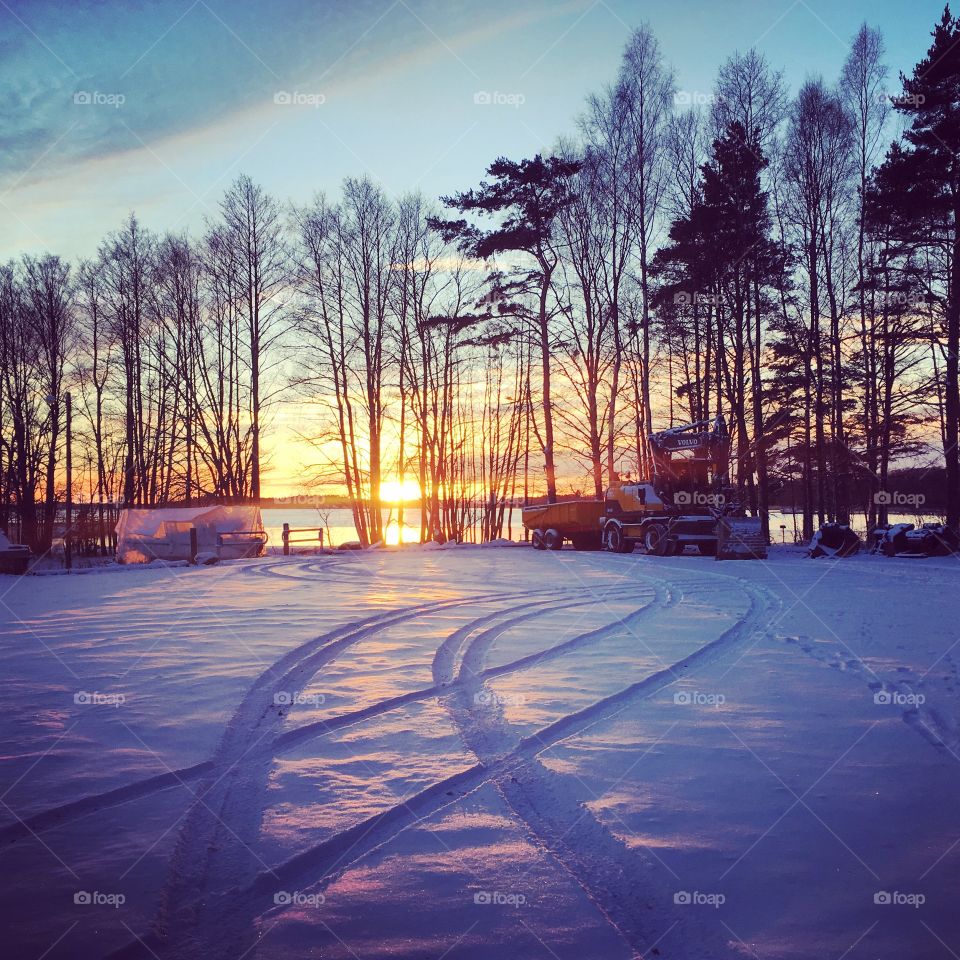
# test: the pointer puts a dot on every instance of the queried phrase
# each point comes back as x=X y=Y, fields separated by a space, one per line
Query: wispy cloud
x=121 y=75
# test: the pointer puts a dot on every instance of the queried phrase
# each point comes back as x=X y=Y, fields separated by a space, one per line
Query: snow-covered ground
x=483 y=752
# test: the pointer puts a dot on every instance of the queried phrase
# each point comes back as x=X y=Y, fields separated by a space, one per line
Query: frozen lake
x=339 y=522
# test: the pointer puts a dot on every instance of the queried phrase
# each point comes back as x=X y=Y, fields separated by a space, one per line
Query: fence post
x=722 y=533
x=193 y=545
x=321 y=538
x=286 y=539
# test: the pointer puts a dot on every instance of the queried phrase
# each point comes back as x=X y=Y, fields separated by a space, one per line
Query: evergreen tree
x=526 y=197
x=916 y=196
x=724 y=254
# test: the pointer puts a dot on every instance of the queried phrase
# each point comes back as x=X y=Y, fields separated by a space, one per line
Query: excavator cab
x=689 y=472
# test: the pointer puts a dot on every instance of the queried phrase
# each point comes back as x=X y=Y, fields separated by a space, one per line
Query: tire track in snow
x=76 y=809
x=224 y=821
x=73 y=810
x=216 y=845
x=94 y=803
x=290 y=569
x=316 y=867
x=232 y=911
x=318 y=728
x=615 y=878
x=344 y=568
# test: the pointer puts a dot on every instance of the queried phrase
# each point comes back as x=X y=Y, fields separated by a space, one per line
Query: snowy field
x=483 y=753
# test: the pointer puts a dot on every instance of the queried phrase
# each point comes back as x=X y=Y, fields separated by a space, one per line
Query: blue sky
x=111 y=106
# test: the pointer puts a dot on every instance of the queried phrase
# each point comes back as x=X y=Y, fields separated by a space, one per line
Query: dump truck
x=688 y=501
x=579 y=521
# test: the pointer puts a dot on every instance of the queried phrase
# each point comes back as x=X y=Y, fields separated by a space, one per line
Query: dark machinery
x=906 y=540
x=687 y=502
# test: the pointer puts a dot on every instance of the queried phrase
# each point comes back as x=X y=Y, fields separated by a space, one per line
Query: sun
x=399 y=491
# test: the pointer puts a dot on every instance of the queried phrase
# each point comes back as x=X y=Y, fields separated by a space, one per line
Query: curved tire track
x=224 y=820
x=229 y=913
x=322 y=864
x=615 y=878
x=94 y=803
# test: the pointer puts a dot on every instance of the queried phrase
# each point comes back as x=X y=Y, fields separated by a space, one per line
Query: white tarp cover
x=164 y=533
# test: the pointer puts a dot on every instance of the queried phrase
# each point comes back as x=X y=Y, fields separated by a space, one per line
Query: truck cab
x=632 y=501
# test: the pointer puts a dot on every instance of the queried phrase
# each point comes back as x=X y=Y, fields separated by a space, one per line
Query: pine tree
x=724 y=251
x=526 y=196
x=917 y=192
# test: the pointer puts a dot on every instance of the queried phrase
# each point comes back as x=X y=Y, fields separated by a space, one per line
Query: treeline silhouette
x=682 y=255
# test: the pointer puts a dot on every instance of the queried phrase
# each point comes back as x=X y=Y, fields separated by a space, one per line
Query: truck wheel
x=655 y=541
x=536 y=538
x=616 y=542
x=612 y=538
x=553 y=540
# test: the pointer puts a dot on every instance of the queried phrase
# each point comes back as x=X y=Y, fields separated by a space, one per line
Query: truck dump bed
x=573 y=516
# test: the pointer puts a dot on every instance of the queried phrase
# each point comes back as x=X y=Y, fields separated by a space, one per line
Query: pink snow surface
x=482 y=752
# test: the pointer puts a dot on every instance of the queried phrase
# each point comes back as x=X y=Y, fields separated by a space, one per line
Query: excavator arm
x=694 y=457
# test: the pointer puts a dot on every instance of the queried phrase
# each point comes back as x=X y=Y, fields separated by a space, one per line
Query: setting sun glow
x=394 y=535
x=400 y=491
